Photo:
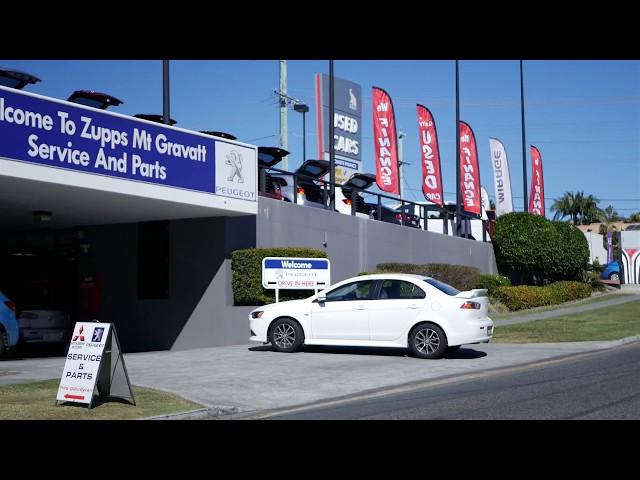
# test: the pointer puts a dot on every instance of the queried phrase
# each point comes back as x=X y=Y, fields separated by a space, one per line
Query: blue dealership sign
x=296 y=273
x=60 y=134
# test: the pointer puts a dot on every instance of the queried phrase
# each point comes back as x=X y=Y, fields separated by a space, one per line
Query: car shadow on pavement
x=23 y=352
x=463 y=353
x=460 y=354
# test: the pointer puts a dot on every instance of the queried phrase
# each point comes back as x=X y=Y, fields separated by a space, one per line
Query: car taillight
x=470 y=306
x=10 y=305
x=347 y=201
x=300 y=191
x=399 y=216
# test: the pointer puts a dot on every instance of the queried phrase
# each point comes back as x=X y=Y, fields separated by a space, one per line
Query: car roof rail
x=12 y=78
x=91 y=98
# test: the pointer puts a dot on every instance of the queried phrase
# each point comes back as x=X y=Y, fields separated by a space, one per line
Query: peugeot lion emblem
x=353 y=101
x=234 y=160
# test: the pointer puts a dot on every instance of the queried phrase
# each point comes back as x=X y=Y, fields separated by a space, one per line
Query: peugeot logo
x=234 y=160
x=353 y=101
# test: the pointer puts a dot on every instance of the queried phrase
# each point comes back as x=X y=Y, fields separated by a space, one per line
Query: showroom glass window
x=153 y=260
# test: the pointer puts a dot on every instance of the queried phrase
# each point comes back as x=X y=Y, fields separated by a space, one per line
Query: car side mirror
x=322 y=298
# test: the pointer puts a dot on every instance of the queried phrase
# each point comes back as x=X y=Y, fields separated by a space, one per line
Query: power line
x=259 y=138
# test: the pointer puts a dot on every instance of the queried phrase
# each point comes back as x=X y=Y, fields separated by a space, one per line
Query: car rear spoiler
x=476 y=292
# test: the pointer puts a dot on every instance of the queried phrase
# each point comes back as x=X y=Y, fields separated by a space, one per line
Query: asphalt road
x=601 y=385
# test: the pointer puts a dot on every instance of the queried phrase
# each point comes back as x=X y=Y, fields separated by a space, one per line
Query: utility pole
x=284 y=138
x=524 y=147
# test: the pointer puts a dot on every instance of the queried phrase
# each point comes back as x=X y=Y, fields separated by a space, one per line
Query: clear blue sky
x=584 y=116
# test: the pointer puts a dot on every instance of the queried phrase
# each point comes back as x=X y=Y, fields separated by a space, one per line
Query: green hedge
x=526 y=296
x=246 y=269
x=533 y=250
x=491 y=282
x=461 y=277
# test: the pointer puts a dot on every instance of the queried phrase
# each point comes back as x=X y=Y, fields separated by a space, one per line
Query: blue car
x=9 y=331
x=611 y=271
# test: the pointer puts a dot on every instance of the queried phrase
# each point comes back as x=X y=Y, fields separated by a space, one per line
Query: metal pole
x=284 y=137
x=458 y=193
x=524 y=147
x=400 y=161
x=304 y=138
x=165 y=92
x=332 y=159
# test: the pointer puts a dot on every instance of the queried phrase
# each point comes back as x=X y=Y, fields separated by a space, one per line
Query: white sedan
x=384 y=310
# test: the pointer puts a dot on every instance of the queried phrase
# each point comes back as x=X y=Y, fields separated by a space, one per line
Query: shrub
x=461 y=277
x=246 y=269
x=496 y=306
x=592 y=278
x=524 y=296
x=595 y=267
x=527 y=296
x=491 y=282
x=531 y=249
x=567 y=291
x=571 y=255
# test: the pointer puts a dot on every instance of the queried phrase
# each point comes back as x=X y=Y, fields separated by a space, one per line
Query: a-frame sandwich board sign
x=94 y=362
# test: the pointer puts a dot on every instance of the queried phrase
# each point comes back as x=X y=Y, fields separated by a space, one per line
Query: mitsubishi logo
x=79 y=336
x=234 y=160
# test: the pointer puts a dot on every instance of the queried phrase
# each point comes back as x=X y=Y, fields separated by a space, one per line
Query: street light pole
x=524 y=148
x=165 y=92
x=458 y=193
x=332 y=159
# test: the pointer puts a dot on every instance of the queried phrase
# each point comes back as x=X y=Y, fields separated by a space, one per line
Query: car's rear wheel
x=286 y=335
x=615 y=276
x=427 y=341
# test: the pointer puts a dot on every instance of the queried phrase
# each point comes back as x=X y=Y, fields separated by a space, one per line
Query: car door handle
x=361 y=307
x=414 y=305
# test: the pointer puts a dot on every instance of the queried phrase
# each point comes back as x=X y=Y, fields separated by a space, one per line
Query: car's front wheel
x=286 y=335
x=615 y=276
x=427 y=341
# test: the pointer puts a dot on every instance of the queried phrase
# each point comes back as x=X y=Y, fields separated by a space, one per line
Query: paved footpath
x=250 y=378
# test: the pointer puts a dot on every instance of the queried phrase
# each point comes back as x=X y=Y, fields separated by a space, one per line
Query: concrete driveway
x=251 y=378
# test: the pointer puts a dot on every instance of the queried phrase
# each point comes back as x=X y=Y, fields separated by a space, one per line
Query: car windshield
x=443 y=287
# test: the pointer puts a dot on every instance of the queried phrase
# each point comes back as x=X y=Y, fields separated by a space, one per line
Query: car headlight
x=257 y=314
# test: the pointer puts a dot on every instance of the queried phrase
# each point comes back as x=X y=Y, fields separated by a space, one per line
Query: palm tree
x=569 y=205
x=608 y=216
x=589 y=211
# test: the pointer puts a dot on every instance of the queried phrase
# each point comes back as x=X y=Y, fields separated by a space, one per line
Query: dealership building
x=133 y=222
